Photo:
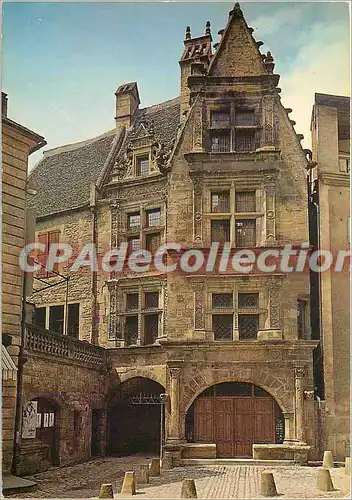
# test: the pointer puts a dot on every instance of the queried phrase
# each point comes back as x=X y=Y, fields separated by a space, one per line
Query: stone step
x=14 y=484
x=233 y=461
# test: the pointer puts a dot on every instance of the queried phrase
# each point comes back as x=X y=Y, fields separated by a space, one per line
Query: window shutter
x=42 y=256
x=53 y=237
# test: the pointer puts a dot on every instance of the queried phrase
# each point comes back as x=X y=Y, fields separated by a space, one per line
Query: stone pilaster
x=299 y=404
x=173 y=436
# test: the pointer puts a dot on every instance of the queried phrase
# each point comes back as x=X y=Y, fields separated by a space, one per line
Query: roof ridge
x=162 y=105
x=76 y=145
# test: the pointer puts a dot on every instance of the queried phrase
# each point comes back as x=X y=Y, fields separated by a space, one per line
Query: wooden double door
x=234 y=423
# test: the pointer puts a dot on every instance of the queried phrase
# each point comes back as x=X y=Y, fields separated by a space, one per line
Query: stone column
x=174 y=417
x=299 y=404
x=289 y=427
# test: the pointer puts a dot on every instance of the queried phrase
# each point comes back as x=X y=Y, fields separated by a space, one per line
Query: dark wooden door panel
x=204 y=420
x=264 y=420
x=243 y=425
x=224 y=426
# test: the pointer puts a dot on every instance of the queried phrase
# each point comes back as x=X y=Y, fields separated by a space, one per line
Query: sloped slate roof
x=64 y=176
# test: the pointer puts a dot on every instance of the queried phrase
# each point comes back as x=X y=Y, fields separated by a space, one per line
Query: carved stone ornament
x=309 y=395
x=161 y=156
x=123 y=166
x=299 y=372
x=175 y=373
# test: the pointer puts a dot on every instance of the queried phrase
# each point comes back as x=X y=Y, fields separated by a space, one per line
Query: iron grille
x=244 y=118
x=134 y=243
x=245 y=201
x=153 y=217
x=142 y=166
x=223 y=326
x=248 y=326
x=248 y=300
x=220 y=119
x=151 y=300
x=151 y=327
x=220 y=231
x=222 y=300
x=132 y=301
x=220 y=143
x=220 y=202
x=134 y=221
x=244 y=141
x=131 y=330
x=246 y=233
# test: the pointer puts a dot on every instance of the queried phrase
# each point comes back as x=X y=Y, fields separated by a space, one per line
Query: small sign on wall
x=51 y=419
x=46 y=420
x=29 y=420
x=39 y=420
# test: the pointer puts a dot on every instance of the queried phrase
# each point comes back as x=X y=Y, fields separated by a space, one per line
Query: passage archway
x=234 y=415
x=134 y=418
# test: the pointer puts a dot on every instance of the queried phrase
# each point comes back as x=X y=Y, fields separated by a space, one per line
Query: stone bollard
x=188 y=489
x=324 y=482
x=129 y=484
x=348 y=466
x=267 y=485
x=328 y=460
x=106 y=491
x=154 y=467
x=142 y=475
x=167 y=462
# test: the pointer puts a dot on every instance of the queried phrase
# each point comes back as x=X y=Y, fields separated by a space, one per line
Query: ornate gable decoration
x=142 y=141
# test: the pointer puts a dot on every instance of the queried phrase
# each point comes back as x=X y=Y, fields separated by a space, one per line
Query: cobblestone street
x=218 y=481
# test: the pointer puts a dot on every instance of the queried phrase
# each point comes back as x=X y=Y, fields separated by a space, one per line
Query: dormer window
x=142 y=166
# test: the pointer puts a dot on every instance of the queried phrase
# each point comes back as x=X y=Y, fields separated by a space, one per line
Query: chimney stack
x=196 y=49
x=127 y=103
x=3 y=104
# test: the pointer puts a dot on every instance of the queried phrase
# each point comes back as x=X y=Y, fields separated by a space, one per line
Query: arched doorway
x=40 y=422
x=234 y=415
x=134 y=418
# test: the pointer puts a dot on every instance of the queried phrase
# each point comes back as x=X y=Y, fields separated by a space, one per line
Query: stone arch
x=259 y=377
x=156 y=373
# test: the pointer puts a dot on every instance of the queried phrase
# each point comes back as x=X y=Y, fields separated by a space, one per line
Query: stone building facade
x=330 y=230
x=221 y=163
x=18 y=143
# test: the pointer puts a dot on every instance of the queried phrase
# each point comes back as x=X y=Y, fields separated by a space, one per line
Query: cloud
x=322 y=65
x=268 y=25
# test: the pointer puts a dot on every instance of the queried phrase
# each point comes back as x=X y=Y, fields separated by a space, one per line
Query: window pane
x=222 y=326
x=73 y=321
x=134 y=243
x=151 y=300
x=154 y=217
x=131 y=301
x=134 y=221
x=152 y=242
x=56 y=319
x=40 y=316
x=221 y=300
x=248 y=326
x=244 y=118
x=131 y=329
x=220 y=202
x=143 y=166
x=220 y=119
x=246 y=233
x=151 y=328
x=248 y=300
x=220 y=231
x=244 y=141
x=245 y=201
x=220 y=143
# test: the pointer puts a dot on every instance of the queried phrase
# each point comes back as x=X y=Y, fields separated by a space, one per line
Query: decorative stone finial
x=236 y=11
x=251 y=29
x=259 y=43
x=207 y=28
x=300 y=137
x=293 y=122
x=216 y=45
x=188 y=33
x=269 y=62
x=221 y=32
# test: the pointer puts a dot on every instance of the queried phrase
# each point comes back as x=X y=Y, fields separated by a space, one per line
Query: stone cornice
x=335 y=179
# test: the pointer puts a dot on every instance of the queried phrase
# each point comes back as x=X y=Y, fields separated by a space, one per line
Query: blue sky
x=62 y=62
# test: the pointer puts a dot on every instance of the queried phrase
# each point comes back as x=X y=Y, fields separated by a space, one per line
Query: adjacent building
x=18 y=142
x=330 y=230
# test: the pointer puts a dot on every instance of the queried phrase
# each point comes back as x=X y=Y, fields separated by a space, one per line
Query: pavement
x=212 y=481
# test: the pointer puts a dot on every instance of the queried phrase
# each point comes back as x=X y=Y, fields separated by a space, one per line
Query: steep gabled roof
x=63 y=178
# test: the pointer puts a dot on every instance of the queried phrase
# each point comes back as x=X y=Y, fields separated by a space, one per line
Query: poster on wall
x=46 y=420
x=51 y=419
x=29 y=420
x=39 y=420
